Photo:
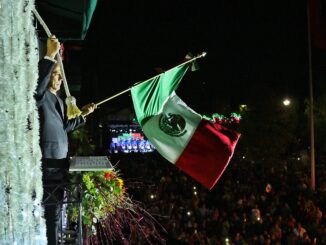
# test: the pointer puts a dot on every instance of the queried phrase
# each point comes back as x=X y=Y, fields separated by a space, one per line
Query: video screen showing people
x=128 y=139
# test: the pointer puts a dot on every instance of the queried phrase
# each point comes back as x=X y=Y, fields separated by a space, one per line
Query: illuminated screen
x=128 y=139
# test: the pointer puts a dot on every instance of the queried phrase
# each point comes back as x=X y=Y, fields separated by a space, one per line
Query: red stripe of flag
x=208 y=153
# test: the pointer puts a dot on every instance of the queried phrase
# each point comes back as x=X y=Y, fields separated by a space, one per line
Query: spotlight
x=286 y=102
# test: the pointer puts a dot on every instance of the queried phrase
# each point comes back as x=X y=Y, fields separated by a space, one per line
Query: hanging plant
x=102 y=192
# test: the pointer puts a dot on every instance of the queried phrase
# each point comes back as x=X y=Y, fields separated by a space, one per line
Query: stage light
x=188 y=213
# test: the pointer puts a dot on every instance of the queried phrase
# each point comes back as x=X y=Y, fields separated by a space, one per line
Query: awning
x=67 y=19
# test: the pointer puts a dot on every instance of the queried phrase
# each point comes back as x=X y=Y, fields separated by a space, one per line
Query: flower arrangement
x=109 y=214
x=234 y=118
x=102 y=192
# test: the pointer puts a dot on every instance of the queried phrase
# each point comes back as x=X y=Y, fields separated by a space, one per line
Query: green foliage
x=103 y=192
x=81 y=143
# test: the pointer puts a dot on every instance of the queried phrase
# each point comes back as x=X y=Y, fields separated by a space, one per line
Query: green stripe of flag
x=148 y=97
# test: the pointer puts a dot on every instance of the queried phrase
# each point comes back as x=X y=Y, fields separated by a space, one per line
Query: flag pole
x=311 y=109
x=203 y=54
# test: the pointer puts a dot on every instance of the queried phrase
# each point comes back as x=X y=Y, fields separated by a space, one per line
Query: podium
x=89 y=163
x=69 y=234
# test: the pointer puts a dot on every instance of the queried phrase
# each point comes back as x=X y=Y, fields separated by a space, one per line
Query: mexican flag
x=200 y=148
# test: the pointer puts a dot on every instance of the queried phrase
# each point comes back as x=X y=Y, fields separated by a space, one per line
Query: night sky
x=253 y=47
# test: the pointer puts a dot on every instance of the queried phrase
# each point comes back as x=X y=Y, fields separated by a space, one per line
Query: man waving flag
x=199 y=147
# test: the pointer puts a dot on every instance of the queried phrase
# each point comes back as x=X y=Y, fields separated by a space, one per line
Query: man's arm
x=45 y=67
x=74 y=123
x=79 y=121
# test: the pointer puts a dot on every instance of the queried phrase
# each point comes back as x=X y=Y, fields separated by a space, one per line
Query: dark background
x=253 y=47
x=257 y=55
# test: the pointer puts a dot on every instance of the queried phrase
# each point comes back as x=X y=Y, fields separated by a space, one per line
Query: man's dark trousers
x=55 y=173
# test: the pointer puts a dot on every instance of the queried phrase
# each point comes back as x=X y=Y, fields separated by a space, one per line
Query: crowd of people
x=253 y=203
